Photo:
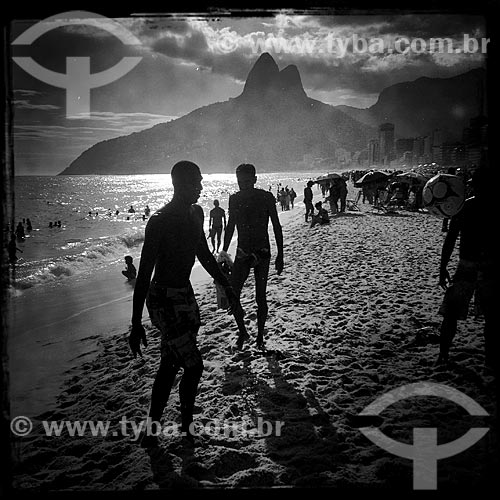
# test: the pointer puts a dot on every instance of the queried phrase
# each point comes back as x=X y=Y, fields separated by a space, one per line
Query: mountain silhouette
x=277 y=127
x=272 y=124
x=417 y=108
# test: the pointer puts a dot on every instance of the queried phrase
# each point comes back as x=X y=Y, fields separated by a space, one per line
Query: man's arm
x=228 y=235
x=278 y=234
x=146 y=266
x=224 y=217
x=447 y=250
x=207 y=260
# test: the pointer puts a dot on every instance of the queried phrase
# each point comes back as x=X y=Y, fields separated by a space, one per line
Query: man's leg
x=333 y=206
x=219 y=234
x=491 y=344
x=162 y=387
x=309 y=210
x=239 y=274
x=485 y=294
x=188 y=388
x=455 y=306
x=447 y=333
x=342 y=204
x=261 y=273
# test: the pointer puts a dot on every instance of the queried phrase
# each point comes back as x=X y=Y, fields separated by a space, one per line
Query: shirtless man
x=174 y=237
x=308 y=197
x=217 y=215
x=474 y=273
x=249 y=211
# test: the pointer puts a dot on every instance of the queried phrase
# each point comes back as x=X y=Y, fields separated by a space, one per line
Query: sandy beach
x=353 y=316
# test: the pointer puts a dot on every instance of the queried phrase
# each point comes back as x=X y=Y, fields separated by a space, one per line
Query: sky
x=184 y=63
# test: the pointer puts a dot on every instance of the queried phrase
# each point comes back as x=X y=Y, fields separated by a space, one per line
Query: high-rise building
x=418 y=149
x=454 y=153
x=473 y=134
x=427 y=156
x=437 y=137
x=373 y=152
x=402 y=146
x=386 y=142
x=437 y=153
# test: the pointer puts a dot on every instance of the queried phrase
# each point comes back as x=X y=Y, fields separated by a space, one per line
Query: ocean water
x=86 y=243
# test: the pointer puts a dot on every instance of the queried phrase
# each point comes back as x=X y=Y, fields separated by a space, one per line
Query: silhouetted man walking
x=174 y=237
x=249 y=211
x=217 y=216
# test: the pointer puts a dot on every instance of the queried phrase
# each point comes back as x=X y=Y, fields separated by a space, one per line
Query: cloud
x=98 y=125
x=25 y=92
x=126 y=122
x=56 y=131
x=25 y=104
x=190 y=46
x=410 y=25
x=225 y=49
x=150 y=28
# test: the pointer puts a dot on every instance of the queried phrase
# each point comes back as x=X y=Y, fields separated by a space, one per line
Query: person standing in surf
x=215 y=227
x=12 y=249
x=250 y=210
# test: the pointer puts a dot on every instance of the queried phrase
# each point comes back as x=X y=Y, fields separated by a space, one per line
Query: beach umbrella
x=412 y=178
x=372 y=177
x=328 y=177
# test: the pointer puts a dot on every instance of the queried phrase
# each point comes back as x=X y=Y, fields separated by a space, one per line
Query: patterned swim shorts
x=175 y=313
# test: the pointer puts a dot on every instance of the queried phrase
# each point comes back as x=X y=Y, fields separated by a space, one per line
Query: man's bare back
x=251 y=210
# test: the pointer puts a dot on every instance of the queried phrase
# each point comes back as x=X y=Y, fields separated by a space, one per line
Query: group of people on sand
x=174 y=237
x=286 y=197
x=336 y=189
x=398 y=190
